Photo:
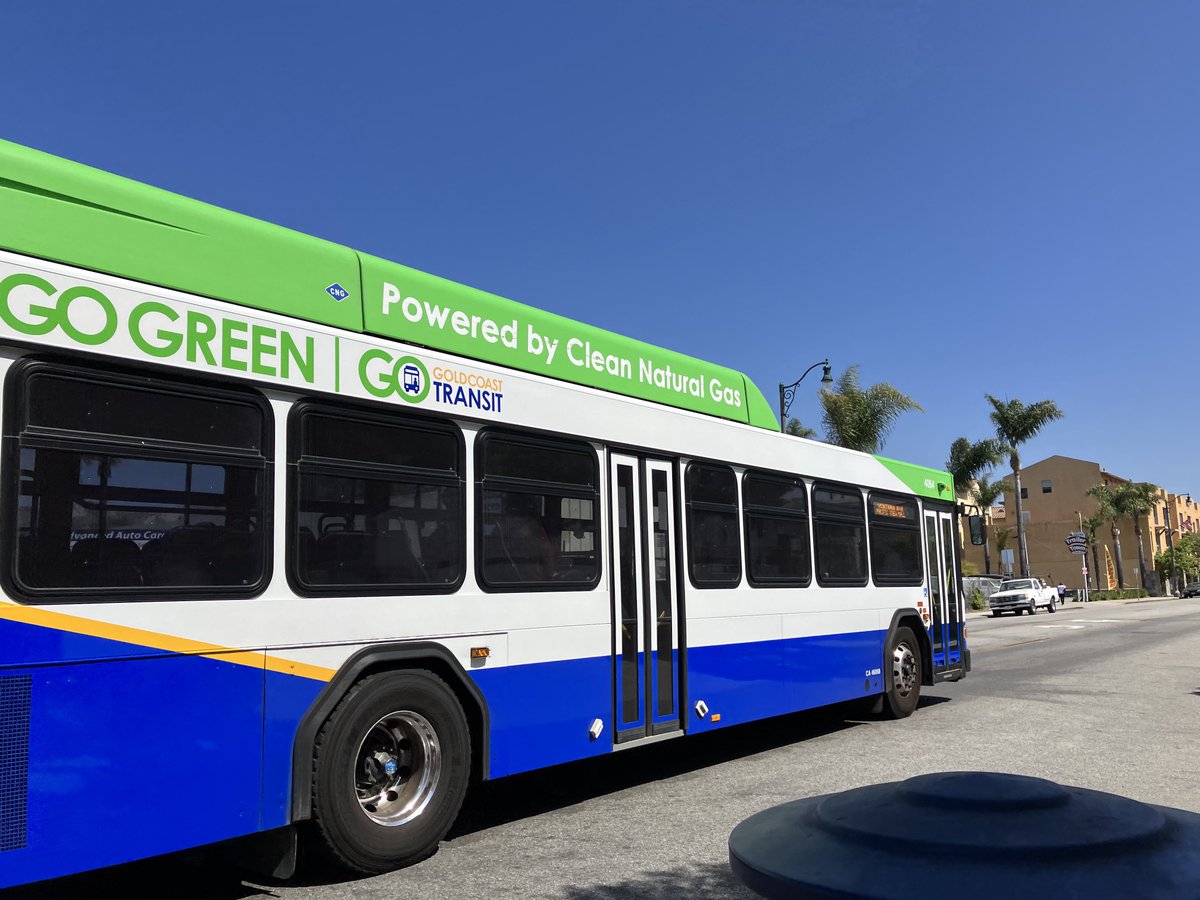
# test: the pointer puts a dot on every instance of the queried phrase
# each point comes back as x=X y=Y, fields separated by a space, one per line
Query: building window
x=126 y=486
x=1024 y=493
x=1046 y=486
x=714 y=552
x=1024 y=517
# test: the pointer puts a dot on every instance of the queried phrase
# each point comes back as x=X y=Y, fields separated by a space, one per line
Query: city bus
x=299 y=543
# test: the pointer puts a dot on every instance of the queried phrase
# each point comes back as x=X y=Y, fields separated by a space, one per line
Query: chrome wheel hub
x=904 y=669
x=397 y=768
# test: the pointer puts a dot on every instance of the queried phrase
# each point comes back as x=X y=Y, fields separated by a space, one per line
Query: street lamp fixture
x=787 y=392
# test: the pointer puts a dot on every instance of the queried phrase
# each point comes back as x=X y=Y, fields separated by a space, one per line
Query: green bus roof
x=64 y=211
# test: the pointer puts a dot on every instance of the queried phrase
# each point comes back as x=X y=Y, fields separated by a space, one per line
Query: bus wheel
x=901 y=698
x=390 y=770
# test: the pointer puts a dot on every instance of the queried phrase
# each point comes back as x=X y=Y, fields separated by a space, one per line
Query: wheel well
x=372 y=661
x=913 y=621
x=444 y=671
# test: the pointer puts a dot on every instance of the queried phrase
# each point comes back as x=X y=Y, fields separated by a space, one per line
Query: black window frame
x=482 y=482
x=751 y=510
x=692 y=504
x=16 y=436
x=884 y=524
x=818 y=517
x=298 y=464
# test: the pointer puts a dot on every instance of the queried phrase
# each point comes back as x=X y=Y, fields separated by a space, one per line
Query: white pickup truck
x=1018 y=595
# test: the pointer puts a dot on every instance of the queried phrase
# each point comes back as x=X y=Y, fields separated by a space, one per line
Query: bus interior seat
x=184 y=555
x=105 y=562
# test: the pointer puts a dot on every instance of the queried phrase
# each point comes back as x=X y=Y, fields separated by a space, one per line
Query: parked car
x=1018 y=595
x=987 y=584
x=1191 y=590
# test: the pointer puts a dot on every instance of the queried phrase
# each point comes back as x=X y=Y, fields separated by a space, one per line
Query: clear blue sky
x=965 y=198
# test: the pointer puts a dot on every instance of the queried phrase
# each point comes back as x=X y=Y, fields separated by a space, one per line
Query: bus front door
x=945 y=630
x=645 y=605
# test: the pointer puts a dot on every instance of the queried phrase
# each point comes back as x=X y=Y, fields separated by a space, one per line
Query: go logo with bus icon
x=385 y=376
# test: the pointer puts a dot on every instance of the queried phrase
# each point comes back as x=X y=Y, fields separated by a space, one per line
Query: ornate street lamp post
x=787 y=392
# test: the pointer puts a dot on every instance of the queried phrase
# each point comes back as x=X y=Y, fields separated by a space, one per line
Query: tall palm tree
x=1090 y=526
x=968 y=461
x=1015 y=424
x=1107 y=508
x=1138 y=499
x=861 y=419
x=987 y=492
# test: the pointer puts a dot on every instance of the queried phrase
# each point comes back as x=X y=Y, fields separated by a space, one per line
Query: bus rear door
x=645 y=606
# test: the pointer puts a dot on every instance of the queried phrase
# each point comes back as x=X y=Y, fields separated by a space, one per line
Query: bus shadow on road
x=522 y=796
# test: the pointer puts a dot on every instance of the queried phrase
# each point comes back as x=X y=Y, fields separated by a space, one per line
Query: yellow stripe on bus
x=46 y=618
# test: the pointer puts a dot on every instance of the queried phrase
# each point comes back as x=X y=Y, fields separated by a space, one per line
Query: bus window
x=127 y=487
x=895 y=540
x=839 y=526
x=537 y=522
x=380 y=503
x=714 y=554
x=776 y=522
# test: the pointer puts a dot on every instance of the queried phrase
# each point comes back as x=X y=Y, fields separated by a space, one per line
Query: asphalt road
x=1103 y=695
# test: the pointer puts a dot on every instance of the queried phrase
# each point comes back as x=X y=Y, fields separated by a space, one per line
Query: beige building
x=1054 y=499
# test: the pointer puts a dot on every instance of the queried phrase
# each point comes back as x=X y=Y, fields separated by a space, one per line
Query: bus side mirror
x=976 y=525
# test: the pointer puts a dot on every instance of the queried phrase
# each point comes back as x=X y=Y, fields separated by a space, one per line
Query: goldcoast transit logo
x=386 y=376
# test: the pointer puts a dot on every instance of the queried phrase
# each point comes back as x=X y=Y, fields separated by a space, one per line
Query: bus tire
x=904 y=686
x=390 y=771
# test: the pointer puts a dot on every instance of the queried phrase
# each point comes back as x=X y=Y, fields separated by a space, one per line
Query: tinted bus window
x=714 y=551
x=538 y=503
x=126 y=486
x=776 y=518
x=840 y=532
x=380 y=505
x=895 y=540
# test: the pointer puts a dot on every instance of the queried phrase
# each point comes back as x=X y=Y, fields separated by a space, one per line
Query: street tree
x=1091 y=525
x=860 y=418
x=970 y=460
x=1107 y=507
x=1176 y=563
x=1136 y=499
x=1015 y=424
x=1003 y=536
x=1190 y=544
x=797 y=429
x=987 y=492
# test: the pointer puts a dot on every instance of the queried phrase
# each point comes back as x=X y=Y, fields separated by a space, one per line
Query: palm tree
x=968 y=461
x=1015 y=424
x=860 y=419
x=1002 y=536
x=1137 y=499
x=797 y=429
x=1107 y=509
x=1127 y=500
x=987 y=492
x=1090 y=526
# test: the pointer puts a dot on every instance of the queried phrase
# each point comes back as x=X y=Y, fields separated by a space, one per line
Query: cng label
x=337 y=292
